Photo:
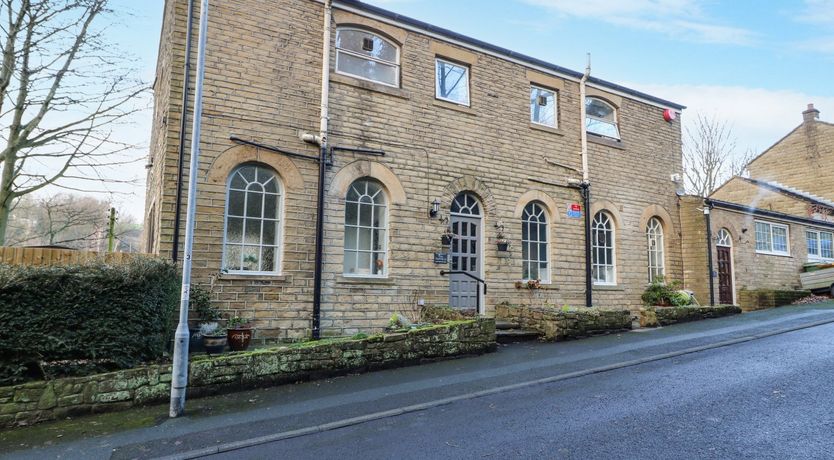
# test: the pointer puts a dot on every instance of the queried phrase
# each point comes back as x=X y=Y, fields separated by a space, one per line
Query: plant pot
x=214 y=344
x=446 y=240
x=239 y=338
x=195 y=340
x=503 y=246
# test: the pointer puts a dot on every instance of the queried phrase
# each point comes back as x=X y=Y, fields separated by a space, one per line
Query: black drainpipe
x=319 y=245
x=707 y=208
x=180 y=163
x=586 y=197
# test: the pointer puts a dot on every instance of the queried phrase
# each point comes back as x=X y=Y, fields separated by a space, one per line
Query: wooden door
x=725 y=275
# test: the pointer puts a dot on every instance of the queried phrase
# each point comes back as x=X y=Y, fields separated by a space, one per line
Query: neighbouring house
x=430 y=133
x=766 y=227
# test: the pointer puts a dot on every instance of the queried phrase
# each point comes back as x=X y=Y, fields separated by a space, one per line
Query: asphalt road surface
x=768 y=398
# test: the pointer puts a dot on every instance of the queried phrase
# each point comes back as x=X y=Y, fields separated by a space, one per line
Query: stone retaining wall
x=39 y=401
x=664 y=316
x=760 y=299
x=555 y=324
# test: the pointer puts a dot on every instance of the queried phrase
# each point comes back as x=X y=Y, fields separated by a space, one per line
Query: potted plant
x=502 y=241
x=200 y=300
x=214 y=338
x=239 y=332
x=446 y=237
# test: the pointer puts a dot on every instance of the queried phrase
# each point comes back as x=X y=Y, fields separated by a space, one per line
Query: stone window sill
x=260 y=277
x=455 y=107
x=369 y=85
x=547 y=129
x=594 y=139
x=341 y=279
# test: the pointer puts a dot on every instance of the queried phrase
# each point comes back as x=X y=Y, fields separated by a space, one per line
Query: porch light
x=435 y=208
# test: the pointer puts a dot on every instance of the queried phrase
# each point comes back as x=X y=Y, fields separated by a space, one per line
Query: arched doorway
x=724 y=248
x=466 y=252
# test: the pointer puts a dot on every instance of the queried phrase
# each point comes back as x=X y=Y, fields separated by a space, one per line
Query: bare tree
x=78 y=222
x=708 y=149
x=63 y=90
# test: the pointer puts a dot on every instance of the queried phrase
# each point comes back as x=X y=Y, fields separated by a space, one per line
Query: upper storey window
x=601 y=118
x=543 y=106
x=452 y=82
x=364 y=55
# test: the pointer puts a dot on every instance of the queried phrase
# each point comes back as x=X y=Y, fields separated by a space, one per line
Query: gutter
x=181 y=149
x=764 y=213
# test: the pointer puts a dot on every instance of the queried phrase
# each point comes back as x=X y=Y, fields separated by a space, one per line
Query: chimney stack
x=811 y=114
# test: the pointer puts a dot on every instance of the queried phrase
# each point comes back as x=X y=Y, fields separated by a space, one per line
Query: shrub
x=91 y=315
x=200 y=300
x=660 y=293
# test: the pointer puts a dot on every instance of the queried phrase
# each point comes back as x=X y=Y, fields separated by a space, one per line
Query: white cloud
x=759 y=117
x=677 y=19
x=817 y=11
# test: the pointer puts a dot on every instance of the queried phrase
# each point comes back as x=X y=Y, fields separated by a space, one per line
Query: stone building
x=768 y=226
x=421 y=119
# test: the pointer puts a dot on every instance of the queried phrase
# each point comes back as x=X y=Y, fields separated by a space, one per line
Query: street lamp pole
x=179 y=374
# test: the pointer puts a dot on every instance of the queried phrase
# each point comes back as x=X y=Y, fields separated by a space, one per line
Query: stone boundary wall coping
x=35 y=402
x=664 y=316
x=556 y=324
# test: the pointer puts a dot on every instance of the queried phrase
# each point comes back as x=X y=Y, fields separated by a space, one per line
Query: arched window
x=253 y=221
x=724 y=238
x=654 y=237
x=602 y=249
x=601 y=118
x=534 y=243
x=366 y=230
x=465 y=203
x=368 y=56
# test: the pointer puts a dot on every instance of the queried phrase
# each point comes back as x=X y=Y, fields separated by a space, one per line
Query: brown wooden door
x=725 y=275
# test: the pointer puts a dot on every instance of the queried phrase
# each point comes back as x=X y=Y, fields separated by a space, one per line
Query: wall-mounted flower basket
x=446 y=240
x=503 y=246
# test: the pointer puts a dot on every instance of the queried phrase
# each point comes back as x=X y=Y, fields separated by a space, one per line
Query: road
x=720 y=388
x=769 y=398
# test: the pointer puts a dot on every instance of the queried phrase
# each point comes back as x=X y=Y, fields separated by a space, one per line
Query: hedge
x=65 y=320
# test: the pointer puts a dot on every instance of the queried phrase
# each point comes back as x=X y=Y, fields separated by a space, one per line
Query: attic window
x=601 y=118
x=365 y=55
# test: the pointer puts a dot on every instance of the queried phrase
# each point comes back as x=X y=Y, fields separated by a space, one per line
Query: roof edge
x=765 y=213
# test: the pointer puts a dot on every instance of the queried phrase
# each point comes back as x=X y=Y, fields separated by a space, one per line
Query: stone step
x=504 y=325
x=516 y=335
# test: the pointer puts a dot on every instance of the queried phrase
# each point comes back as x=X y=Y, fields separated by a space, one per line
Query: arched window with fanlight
x=366 y=55
x=252 y=236
x=603 y=267
x=366 y=230
x=601 y=118
x=654 y=237
x=535 y=255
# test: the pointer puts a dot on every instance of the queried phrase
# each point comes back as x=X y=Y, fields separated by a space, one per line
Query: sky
x=755 y=64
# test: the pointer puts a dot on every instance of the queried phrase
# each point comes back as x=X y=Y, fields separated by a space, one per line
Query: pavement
x=725 y=384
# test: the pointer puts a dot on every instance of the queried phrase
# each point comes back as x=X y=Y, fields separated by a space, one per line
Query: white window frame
x=384 y=229
x=437 y=61
x=555 y=94
x=818 y=257
x=613 y=248
x=279 y=225
x=655 y=244
x=615 y=114
x=771 y=251
x=396 y=64
x=527 y=220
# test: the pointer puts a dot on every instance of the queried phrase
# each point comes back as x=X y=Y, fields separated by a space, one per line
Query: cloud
x=759 y=117
x=677 y=19
x=817 y=11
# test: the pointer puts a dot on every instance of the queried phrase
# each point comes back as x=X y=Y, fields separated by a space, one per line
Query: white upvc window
x=820 y=245
x=367 y=56
x=654 y=237
x=601 y=118
x=252 y=236
x=366 y=230
x=535 y=254
x=603 y=263
x=451 y=82
x=772 y=238
x=543 y=107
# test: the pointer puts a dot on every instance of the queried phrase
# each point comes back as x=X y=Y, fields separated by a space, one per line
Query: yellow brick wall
x=262 y=83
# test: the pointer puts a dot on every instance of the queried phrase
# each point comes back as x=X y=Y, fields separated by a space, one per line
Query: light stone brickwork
x=262 y=84
x=802 y=159
x=741 y=191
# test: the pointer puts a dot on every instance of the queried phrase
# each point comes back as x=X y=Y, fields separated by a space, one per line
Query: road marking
x=245 y=443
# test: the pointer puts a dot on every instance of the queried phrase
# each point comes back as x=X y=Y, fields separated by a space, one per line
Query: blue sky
x=755 y=64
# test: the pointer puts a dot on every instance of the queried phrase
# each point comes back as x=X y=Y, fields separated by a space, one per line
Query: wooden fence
x=51 y=256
